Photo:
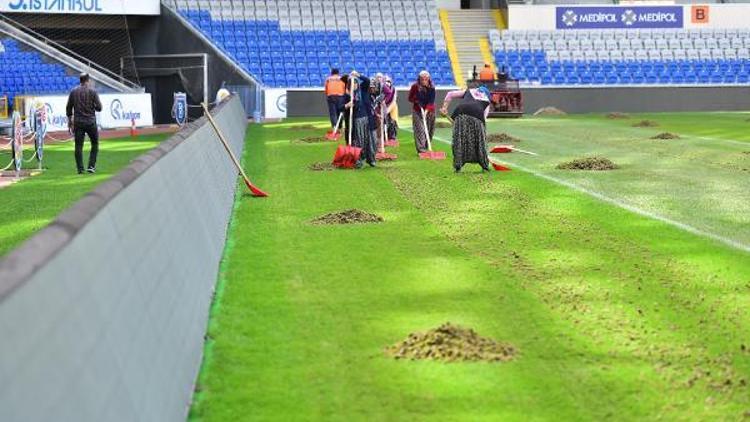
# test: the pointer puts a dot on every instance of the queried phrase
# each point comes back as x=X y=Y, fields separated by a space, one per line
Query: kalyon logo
x=58 y=120
x=619 y=17
x=68 y=6
x=117 y=111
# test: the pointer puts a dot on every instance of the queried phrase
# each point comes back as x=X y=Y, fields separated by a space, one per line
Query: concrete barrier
x=103 y=313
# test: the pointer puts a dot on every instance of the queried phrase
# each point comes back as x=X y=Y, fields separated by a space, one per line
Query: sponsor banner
x=86 y=7
x=648 y=17
x=117 y=111
x=275 y=103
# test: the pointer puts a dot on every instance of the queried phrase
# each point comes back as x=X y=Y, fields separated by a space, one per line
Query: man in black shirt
x=83 y=103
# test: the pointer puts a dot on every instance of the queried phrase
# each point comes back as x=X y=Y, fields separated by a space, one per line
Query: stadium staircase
x=285 y=43
x=33 y=65
x=469 y=29
x=625 y=57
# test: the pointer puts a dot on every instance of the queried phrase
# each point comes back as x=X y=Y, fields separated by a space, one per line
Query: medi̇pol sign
x=649 y=17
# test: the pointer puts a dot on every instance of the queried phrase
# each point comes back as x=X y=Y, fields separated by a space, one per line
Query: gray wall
x=579 y=100
x=103 y=313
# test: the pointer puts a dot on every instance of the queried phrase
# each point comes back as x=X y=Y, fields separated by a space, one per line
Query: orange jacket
x=335 y=86
x=486 y=74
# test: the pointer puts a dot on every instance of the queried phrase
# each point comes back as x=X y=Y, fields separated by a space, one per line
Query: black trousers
x=81 y=130
x=335 y=107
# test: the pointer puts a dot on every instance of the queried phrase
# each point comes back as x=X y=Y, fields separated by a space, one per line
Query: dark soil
x=311 y=140
x=501 y=138
x=589 y=163
x=451 y=343
x=352 y=216
x=321 y=166
x=646 y=123
x=549 y=111
x=666 y=135
x=442 y=125
x=618 y=115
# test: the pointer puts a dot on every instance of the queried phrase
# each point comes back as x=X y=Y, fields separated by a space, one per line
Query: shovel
x=334 y=135
x=346 y=156
x=429 y=154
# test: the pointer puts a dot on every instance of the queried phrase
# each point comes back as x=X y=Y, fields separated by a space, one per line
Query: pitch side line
x=686 y=227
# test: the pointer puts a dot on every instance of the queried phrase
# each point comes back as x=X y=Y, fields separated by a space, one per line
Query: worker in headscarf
x=422 y=97
x=469 y=130
x=335 y=89
x=364 y=124
x=390 y=97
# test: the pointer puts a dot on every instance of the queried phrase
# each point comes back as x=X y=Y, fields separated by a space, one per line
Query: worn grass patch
x=352 y=216
x=666 y=136
x=322 y=166
x=617 y=115
x=549 y=111
x=311 y=140
x=502 y=138
x=646 y=123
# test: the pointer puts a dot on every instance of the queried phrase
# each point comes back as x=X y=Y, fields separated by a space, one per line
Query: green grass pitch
x=616 y=314
x=34 y=202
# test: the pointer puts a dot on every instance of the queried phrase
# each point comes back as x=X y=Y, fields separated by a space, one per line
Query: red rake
x=334 y=135
x=391 y=143
x=253 y=189
x=346 y=156
x=501 y=149
x=429 y=154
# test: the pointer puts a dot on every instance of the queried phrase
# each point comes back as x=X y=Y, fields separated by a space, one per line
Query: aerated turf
x=614 y=315
x=34 y=202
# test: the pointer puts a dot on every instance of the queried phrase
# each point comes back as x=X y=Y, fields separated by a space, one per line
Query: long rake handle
x=336 y=128
x=351 y=110
x=226 y=144
x=426 y=131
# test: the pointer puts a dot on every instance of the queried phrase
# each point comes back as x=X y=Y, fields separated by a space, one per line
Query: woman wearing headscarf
x=364 y=124
x=469 y=131
x=391 y=104
x=422 y=97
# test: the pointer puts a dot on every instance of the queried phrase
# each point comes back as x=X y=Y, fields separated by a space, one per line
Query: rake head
x=501 y=149
x=254 y=190
x=391 y=143
x=385 y=156
x=499 y=167
x=432 y=155
x=333 y=136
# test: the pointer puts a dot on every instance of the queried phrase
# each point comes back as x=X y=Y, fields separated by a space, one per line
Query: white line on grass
x=686 y=227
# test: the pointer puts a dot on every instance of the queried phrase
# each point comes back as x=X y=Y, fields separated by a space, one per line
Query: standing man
x=83 y=103
x=486 y=74
x=335 y=89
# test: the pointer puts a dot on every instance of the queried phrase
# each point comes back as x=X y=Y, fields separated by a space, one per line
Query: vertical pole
x=205 y=78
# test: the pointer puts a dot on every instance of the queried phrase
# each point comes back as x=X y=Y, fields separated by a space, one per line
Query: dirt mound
x=353 y=216
x=666 y=135
x=501 y=138
x=646 y=123
x=304 y=127
x=618 y=115
x=311 y=140
x=442 y=125
x=321 y=166
x=549 y=111
x=588 y=163
x=451 y=343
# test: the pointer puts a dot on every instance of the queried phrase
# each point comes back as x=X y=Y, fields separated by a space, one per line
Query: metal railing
x=70 y=58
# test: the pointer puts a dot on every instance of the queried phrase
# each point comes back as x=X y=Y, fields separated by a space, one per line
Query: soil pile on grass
x=646 y=123
x=666 y=135
x=442 y=125
x=618 y=115
x=321 y=166
x=588 y=163
x=451 y=343
x=311 y=140
x=501 y=138
x=352 y=216
x=549 y=111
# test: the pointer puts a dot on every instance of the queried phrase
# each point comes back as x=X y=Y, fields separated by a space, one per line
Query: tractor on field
x=506 y=97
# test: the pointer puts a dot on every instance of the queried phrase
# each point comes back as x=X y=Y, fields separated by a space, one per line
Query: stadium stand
x=625 y=57
x=296 y=43
x=26 y=72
